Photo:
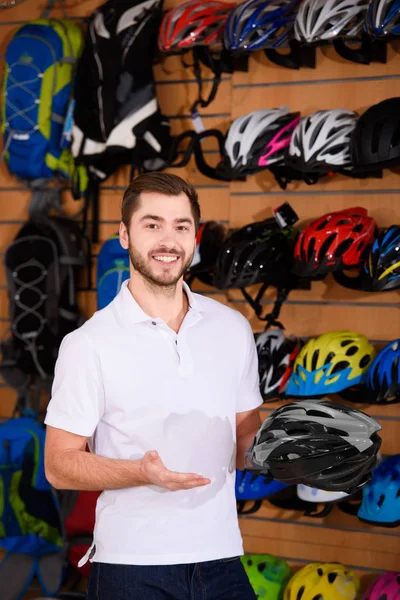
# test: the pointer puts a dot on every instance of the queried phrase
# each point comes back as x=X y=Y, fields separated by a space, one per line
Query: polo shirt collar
x=136 y=314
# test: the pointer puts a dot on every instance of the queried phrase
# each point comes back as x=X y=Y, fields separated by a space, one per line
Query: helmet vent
x=314 y=360
x=340 y=366
x=322 y=225
x=381 y=500
x=343 y=222
x=316 y=132
x=300 y=593
x=360 y=245
x=311 y=249
x=243 y=126
x=343 y=247
x=345 y=343
x=235 y=150
x=351 y=351
x=318 y=413
x=365 y=361
x=329 y=358
x=261 y=566
x=358 y=228
x=332 y=577
x=326 y=245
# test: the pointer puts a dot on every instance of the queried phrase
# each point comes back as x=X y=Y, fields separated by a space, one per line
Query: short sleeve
x=77 y=397
x=249 y=396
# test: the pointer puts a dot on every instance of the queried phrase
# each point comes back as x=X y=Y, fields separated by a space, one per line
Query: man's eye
x=151 y=225
x=182 y=228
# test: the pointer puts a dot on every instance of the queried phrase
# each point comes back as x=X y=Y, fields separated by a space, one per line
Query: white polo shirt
x=132 y=384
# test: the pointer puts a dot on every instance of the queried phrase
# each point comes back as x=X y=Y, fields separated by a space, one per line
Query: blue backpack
x=30 y=522
x=112 y=270
x=36 y=99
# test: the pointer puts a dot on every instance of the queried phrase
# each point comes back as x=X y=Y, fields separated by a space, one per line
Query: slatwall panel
x=335 y=83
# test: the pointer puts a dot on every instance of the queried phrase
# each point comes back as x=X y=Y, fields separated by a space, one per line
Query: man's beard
x=166 y=280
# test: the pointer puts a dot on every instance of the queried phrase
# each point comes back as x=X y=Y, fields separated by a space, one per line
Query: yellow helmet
x=330 y=363
x=325 y=581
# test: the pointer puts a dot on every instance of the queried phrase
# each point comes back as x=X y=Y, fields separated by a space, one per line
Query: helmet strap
x=369 y=51
x=271 y=318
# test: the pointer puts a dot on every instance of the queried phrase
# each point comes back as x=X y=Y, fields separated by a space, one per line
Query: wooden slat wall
x=335 y=83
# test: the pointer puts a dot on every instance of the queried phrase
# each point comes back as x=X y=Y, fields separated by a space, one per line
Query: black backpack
x=42 y=266
x=117 y=120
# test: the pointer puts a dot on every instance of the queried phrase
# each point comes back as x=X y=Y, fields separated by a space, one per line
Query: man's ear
x=123 y=236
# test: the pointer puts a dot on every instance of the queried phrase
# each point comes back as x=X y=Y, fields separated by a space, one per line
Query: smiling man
x=163 y=384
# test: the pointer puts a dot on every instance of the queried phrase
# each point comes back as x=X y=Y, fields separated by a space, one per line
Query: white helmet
x=319 y=20
x=249 y=135
x=321 y=141
x=310 y=494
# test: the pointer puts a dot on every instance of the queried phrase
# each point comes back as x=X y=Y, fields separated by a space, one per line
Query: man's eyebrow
x=184 y=220
x=152 y=217
x=161 y=219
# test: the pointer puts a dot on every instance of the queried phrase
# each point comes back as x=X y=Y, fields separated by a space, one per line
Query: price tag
x=197 y=122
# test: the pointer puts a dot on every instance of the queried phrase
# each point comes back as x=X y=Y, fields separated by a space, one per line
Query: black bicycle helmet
x=375 y=141
x=260 y=252
x=209 y=240
x=318 y=443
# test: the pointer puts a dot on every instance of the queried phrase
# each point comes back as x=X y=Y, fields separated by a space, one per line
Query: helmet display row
x=323 y=142
x=268 y=25
x=342 y=362
x=303 y=148
x=273 y=579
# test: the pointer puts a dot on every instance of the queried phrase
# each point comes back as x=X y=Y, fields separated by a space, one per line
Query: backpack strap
x=16 y=574
x=44 y=199
x=218 y=65
x=49 y=7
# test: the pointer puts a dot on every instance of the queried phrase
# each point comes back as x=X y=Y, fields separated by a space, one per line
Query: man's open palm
x=157 y=474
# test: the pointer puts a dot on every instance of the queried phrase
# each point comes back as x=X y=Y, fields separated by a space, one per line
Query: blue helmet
x=383 y=264
x=383 y=378
x=381 y=496
x=249 y=486
x=383 y=18
x=258 y=24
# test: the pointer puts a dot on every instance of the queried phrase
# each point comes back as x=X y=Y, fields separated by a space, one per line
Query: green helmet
x=267 y=574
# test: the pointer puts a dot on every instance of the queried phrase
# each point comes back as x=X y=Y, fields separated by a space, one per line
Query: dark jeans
x=223 y=579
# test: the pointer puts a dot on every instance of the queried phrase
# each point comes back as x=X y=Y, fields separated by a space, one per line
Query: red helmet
x=336 y=241
x=193 y=23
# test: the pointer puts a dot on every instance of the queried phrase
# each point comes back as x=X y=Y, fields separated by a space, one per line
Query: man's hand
x=155 y=473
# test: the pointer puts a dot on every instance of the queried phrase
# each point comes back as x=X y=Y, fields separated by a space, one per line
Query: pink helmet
x=386 y=587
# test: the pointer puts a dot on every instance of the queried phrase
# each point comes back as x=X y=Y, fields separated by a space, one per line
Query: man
x=163 y=384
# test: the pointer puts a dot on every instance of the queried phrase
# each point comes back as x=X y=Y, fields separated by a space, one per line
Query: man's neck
x=169 y=304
